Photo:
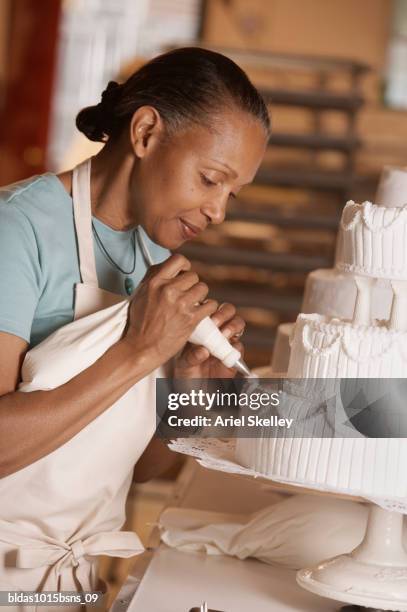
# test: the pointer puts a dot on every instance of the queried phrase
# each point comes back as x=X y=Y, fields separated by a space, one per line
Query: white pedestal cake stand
x=373 y=575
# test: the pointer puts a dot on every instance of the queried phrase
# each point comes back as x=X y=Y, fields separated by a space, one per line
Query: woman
x=183 y=135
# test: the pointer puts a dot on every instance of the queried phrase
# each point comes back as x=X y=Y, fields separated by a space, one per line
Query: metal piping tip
x=241 y=367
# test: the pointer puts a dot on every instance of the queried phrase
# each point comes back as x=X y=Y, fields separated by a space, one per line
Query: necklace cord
x=110 y=258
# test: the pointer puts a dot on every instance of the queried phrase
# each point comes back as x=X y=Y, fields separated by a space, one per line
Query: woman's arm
x=34 y=424
x=156 y=460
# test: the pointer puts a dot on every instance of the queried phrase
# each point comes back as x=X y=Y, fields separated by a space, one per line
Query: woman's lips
x=189 y=231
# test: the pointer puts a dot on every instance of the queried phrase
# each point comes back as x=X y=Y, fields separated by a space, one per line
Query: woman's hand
x=166 y=308
x=196 y=361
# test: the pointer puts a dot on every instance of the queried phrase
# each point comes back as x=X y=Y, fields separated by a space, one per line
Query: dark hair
x=184 y=85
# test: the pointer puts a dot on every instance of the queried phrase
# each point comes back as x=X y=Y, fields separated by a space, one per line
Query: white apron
x=60 y=513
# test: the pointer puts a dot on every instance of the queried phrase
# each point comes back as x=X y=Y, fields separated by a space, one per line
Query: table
x=166 y=580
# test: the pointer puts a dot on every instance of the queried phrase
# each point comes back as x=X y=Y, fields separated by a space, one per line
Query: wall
x=344 y=28
x=358 y=30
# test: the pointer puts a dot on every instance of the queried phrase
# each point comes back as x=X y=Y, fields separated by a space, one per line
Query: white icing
x=398 y=314
x=333 y=293
x=367 y=467
x=375 y=218
x=326 y=347
x=372 y=240
x=392 y=189
x=360 y=331
x=362 y=312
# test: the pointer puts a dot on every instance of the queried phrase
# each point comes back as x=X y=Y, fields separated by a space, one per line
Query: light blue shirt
x=39 y=264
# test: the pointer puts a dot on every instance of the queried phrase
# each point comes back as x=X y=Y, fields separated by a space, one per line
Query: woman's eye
x=207 y=181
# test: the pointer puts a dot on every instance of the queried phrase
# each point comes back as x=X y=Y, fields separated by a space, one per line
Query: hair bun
x=110 y=95
x=98 y=122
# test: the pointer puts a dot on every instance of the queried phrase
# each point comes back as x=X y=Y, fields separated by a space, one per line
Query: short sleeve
x=20 y=272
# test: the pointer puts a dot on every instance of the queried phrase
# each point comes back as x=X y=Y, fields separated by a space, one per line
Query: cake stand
x=373 y=575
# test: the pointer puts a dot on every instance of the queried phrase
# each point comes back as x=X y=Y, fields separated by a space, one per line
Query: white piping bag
x=207 y=334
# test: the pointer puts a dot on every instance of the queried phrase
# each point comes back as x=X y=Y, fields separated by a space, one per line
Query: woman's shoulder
x=43 y=192
x=9 y=192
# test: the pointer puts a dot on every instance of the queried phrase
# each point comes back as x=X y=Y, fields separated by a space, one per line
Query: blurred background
x=335 y=76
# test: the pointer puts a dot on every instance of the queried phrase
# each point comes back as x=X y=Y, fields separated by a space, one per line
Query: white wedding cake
x=332 y=292
x=358 y=330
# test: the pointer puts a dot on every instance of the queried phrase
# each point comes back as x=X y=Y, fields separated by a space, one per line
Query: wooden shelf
x=304 y=178
x=319 y=99
x=289 y=304
x=258 y=337
x=247 y=211
x=287 y=262
x=288 y=61
x=315 y=141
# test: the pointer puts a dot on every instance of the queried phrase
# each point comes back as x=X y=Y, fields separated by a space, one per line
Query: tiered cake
x=372 y=260
x=332 y=292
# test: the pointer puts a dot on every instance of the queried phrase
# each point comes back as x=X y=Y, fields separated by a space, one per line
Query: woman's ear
x=145 y=128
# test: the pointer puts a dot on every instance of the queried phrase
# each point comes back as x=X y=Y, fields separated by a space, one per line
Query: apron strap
x=83 y=222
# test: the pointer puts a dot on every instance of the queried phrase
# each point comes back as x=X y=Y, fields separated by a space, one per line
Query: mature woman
x=183 y=135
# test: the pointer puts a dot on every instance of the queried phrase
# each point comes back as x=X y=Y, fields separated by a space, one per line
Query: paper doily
x=219 y=455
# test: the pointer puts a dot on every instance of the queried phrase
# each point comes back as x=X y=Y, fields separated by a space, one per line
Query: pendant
x=129 y=285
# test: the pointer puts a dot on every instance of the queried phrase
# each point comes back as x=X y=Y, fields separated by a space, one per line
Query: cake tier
x=281 y=351
x=332 y=348
x=372 y=241
x=392 y=189
x=367 y=467
x=333 y=293
x=309 y=455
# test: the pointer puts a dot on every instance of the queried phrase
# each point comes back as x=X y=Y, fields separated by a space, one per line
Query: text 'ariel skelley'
x=251 y=420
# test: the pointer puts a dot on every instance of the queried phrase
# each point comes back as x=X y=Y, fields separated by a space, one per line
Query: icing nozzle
x=241 y=367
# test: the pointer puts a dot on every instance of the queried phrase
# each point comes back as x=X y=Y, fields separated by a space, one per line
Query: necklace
x=128 y=282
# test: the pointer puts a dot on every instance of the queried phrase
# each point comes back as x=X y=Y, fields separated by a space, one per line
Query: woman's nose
x=215 y=210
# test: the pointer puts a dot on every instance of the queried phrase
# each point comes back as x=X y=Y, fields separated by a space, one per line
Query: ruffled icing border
x=343 y=334
x=364 y=212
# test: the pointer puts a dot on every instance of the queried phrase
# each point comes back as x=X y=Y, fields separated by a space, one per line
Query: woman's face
x=183 y=184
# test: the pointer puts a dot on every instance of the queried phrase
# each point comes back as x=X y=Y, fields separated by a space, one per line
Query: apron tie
x=112 y=543
x=78 y=551
x=62 y=557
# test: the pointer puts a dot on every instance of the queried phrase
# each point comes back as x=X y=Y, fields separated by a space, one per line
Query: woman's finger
x=197 y=294
x=194 y=355
x=238 y=346
x=185 y=280
x=224 y=313
x=234 y=328
x=172 y=266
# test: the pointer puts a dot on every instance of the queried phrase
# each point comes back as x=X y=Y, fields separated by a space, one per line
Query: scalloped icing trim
x=348 y=226
x=365 y=211
x=374 y=272
x=312 y=350
x=343 y=337
x=327 y=324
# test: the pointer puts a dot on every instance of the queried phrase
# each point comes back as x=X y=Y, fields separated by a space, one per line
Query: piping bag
x=207 y=334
